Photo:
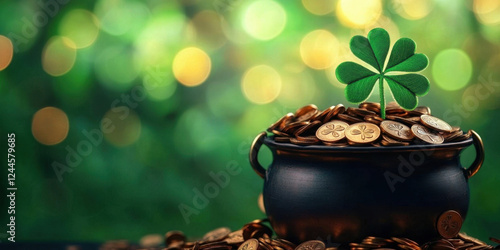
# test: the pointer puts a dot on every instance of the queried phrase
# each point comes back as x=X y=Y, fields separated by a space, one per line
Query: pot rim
x=358 y=149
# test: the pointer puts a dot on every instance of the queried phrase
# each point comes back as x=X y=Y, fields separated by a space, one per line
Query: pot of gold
x=342 y=174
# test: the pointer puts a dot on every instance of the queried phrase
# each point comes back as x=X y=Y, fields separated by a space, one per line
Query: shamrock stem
x=382 y=98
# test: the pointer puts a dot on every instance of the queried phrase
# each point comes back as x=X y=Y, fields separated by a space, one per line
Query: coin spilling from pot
x=256 y=235
x=363 y=126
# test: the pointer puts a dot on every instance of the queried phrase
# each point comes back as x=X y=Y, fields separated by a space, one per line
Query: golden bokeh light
x=261 y=84
x=264 y=19
x=318 y=49
x=358 y=13
x=81 y=26
x=413 y=9
x=121 y=126
x=191 y=66
x=6 y=52
x=319 y=7
x=58 y=56
x=50 y=126
x=487 y=11
x=297 y=88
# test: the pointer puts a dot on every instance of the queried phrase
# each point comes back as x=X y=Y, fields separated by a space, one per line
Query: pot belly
x=347 y=201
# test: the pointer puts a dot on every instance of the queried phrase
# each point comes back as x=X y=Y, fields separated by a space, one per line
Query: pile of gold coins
x=340 y=126
x=257 y=236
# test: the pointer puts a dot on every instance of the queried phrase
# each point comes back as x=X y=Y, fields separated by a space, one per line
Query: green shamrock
x=373 y=50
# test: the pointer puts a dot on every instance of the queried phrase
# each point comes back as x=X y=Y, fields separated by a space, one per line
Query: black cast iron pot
x=343 y=194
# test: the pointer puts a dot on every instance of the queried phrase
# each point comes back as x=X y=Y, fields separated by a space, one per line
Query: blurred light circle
x=261 y=84
x=358 y=13
x=319 y=7
x=119 y=17
x=386 y=23
x=6 y=52
x=123 y=126
x=58 y=56
x=487 y=11
x=154 y=46
x=191 y=66
x=81 y=26
x=50 y=126
x=159 y=85
x=297 y=88
x=264 y=19
x=208 y=28
x=115 y=68
x=452 y=69
x=413 y=9
x=318 y=49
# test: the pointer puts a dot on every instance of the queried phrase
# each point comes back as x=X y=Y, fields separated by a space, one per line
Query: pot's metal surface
x=345 y=194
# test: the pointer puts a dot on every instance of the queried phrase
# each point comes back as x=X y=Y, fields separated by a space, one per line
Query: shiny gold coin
x=216 y=234
x=280 y=124
x=396 y=130
x=449 y=224
x=362 y=132
x=235 y=237
x=321 y=116
x=332 y=131
x=339 y=109
x=251 y=244
x=373 y=119
x=311 y=245
x=424 y=134
x=435 y=123
x=305 y=113
x=312 y=126
x=348 y=118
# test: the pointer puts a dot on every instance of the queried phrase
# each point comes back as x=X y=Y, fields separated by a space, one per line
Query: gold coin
x=362 y=132
x=426 y=135
x=332 y=131
x=339 y=109
x=280 y=124
x=435 y=123
x=311 y=245
x=251 y=244
x=396 y=130
x=449 y=224
x=348 y=118
x=307 y=112
x=216 y=234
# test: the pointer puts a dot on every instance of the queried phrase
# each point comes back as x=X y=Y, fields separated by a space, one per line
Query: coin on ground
x=426 y=135
x=396 y=130
x=449 y=224
x=332 y=131
x=216 y=234
x=251 y=244
x=362 y=132
x=311 y=245
x=435 y=123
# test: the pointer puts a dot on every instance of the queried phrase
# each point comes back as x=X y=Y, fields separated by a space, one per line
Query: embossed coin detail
x=362 y=132
x=449 y=224
x=311 y=245
x=251 y=244
x=435 y=123
x=396 y=130
x=332 y=131
x=426 y=135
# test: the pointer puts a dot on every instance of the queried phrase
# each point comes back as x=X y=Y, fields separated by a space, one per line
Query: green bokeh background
x=125 y=192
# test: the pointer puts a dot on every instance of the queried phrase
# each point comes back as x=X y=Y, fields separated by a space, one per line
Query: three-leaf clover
x=373 y=50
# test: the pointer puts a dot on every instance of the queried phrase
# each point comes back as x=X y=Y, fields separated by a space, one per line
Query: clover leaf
x=373 y=50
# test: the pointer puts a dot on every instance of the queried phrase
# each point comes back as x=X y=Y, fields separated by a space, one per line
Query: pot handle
x=254 y=151
x=478 y=162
